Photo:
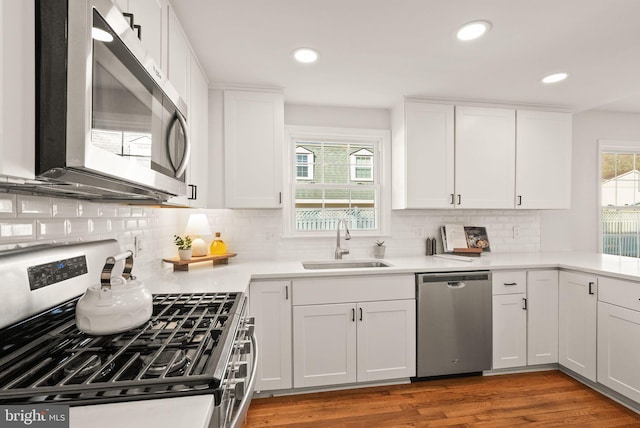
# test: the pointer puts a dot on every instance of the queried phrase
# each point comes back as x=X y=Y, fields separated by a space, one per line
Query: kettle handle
x=105 y=277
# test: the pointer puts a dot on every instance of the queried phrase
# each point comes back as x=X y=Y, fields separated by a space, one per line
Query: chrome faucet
x=341 y=251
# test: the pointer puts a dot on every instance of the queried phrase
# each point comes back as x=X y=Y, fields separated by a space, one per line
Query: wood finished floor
x=548 y=399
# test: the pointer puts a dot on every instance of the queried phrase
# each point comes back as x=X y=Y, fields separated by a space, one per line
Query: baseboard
x=604 y=390
x=341 y=387
x=525 y=369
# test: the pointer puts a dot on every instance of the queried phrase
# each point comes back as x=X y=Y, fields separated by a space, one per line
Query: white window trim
x=353 y=166
x=603 y=147
x=382 y=142
x=309 y=164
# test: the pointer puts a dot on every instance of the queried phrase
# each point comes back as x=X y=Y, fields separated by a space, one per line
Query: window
x=335 y=175
x=361 y=163
x=620 y=198
x=304 y=164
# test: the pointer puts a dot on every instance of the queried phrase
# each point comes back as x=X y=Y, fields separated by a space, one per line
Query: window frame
x=381 y=140
x=353 y=165
x=309 y=163
x=610 y=146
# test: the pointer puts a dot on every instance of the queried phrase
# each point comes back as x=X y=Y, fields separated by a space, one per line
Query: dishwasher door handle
x=456 y=284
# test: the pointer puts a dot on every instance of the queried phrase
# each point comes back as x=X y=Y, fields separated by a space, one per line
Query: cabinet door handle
x=519 y=200
x=360 y=314
x=591 y=284
x=286 y=292
x=280 y=197
x=452 y=199
x=524 y=303
x=194 y=192
x=353 y=314
x=510 y=284
x=137 y=28
x=459 y=199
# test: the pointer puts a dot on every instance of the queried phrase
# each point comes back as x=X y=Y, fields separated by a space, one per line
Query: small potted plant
x=378 y=250
x=184 y=246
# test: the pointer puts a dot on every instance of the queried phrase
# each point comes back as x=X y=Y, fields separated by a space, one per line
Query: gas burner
x=161 y=362
x=84 y=366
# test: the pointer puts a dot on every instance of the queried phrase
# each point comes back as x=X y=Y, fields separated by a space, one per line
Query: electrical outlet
x=417 y=232
x=516 y=232
x=137 y=245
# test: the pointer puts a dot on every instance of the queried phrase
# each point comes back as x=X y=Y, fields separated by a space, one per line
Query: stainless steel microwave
x=109 y=125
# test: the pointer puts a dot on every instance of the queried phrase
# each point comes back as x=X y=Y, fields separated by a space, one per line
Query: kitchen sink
x=345 y=264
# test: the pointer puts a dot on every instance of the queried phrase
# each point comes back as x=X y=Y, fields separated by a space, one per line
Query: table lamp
x=198 y=225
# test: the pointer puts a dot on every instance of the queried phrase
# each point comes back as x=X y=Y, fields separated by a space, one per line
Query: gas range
x=193 y=344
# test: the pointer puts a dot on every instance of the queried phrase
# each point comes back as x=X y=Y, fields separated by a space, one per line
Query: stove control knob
x=249 y=326
x=243 y=346
x=235 y=388
x=239 y=368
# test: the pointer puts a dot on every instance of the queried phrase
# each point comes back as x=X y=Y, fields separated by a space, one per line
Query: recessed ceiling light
x=473 y=30
x=554 y=78
x=305 y=55
x=100 y=34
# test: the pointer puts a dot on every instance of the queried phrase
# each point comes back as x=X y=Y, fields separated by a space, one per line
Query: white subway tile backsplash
x=33 y=206
x=7 y=206
x=64 y=208
x=99 y=225
x=116 y=225
x=17 y=231
x=88 y=209
x=51 y=229
x=78 y=227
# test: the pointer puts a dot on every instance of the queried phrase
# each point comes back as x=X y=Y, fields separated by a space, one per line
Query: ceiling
x=373 y=52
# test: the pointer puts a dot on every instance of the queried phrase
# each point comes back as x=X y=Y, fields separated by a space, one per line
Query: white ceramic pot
x=378 y=251
x=109 y=310
x=185 y=254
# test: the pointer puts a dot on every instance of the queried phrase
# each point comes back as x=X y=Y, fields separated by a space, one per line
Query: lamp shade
x=198 y=225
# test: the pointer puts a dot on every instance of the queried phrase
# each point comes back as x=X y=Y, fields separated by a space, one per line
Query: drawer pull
x=510 y=284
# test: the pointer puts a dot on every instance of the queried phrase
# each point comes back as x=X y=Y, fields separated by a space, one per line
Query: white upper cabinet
x=253 y=139
x=485 y=157
x=17 y=93
x=147 y=14
x=197 y=172
x=423 y=155
x=178 y=53
x=543 y=161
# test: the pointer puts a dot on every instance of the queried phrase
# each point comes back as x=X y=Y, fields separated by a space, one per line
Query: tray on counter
x=183 y=265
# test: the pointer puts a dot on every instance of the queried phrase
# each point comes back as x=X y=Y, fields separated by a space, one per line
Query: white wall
x=577 y=228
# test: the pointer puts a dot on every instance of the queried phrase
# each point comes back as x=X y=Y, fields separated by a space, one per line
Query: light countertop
x=237 y=274
x=194 y=411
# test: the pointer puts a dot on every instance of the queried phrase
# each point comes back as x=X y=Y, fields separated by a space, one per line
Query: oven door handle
x=246 y=400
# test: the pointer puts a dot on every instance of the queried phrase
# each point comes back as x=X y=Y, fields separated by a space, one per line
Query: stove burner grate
x=184 y=349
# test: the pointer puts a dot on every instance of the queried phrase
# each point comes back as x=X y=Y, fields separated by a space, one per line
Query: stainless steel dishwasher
x=453 y=323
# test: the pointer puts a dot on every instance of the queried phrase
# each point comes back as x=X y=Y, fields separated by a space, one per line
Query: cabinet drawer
x=509 y=282
x=316 y=291
x=619 y=292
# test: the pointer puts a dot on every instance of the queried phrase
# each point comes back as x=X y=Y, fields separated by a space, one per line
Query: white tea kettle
x=115 y=305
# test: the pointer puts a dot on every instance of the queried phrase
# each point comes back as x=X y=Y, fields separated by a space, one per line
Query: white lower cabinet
x=509 y=331
x=619 y=336
x=353 y=342
x=619 y=349
x=357 y=329
x=525 y=318
x=542 y=317
x=509 y=319
x=270 y=304
x=577 y=323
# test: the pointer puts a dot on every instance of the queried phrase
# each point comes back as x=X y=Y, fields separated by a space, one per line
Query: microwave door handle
x=187 y=145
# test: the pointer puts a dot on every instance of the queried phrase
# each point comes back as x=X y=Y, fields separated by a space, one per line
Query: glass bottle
x=218 y=247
